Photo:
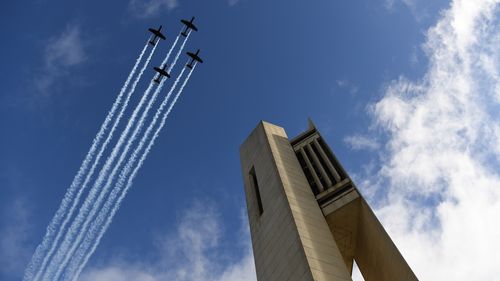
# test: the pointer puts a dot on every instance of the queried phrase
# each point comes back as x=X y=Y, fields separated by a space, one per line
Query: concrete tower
x=307 y=219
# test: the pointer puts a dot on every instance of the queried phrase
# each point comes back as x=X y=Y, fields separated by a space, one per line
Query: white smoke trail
x=123 y=176
x=89 y=201
x=68 y=255
x=96 y=224
x=70 y=193
x=94 y=165
x=72 y=232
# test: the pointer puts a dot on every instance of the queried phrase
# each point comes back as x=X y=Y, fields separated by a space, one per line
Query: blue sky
x=360 y=69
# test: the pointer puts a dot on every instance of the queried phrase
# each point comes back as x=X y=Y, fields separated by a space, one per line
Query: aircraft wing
x=195 y=57
x=161 y=71
x=157 y=33
x=189 y=25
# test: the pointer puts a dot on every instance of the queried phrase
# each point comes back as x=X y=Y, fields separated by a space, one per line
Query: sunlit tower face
x=308 y=220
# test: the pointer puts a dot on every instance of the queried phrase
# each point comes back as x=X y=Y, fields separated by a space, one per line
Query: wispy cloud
x=439 y=168
x=359 y=142
x=14 y=236
x=232 y=2
x=414 y=60
x=190 y=253
x=346 y=85
x=151 y=8
x=420 y=9
x=119 y=272
x=61 y=53
x=391 y=4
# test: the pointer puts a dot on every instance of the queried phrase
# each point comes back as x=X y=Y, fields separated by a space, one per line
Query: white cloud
x=440 y=168
x=345 y=84
x=117 y=273
x=420 y=9
x=233 y=2
x=14 y=234
x=65 y=49
x=61 y=53
x=358 y=142
x=414 y=57
x=191 y=253
x=356 y=274
x=145 y=9
x=390 y=4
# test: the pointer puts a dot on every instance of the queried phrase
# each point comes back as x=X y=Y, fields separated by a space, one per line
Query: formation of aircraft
x=157 y=34
x=189 y=25
x=194 y=57
x=161 y=72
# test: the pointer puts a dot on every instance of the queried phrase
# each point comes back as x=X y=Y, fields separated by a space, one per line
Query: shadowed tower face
x=307 y=219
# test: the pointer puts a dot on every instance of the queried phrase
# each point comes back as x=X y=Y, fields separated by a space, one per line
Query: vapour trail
x=94 y=165
x=126 y=171
x=96 y=224
x=89 y=203
x=70 y=193
x=86 y=207
x=97 y=204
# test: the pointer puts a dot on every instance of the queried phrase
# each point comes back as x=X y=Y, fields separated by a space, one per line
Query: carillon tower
x=307 y=219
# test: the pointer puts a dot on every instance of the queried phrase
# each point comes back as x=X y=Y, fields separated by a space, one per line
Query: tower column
x=327 y=161
x=311 y=168
x=319 y=165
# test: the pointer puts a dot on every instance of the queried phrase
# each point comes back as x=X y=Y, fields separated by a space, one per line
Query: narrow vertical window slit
x=255 y=184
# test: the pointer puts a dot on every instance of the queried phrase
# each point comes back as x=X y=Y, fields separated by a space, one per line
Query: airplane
x=161 y=72
x=189 y=25
x=194 y=57
x=157 y=34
